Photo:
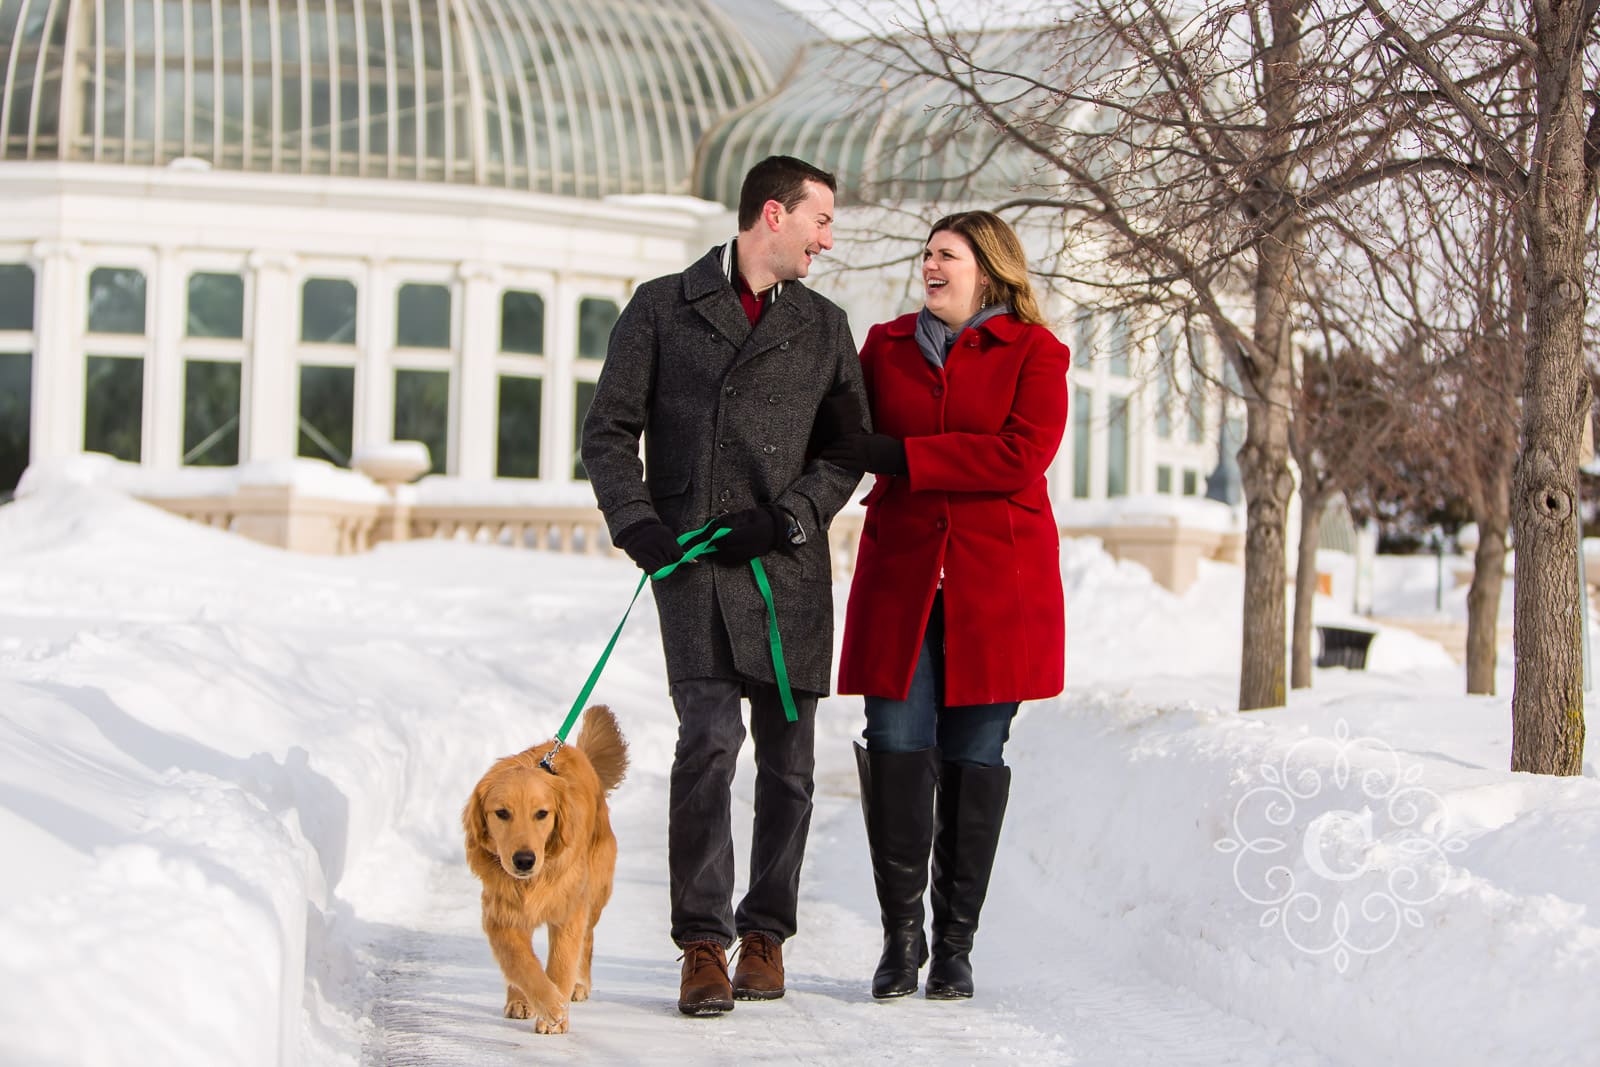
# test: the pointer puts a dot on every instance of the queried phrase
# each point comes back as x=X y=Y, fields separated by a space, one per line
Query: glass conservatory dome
x=887 y=135
x=574 y=97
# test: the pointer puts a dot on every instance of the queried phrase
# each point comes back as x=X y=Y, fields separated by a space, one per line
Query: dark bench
x=1343 y=647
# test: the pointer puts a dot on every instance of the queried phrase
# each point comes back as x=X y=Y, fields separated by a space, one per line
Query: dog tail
x=601 y=741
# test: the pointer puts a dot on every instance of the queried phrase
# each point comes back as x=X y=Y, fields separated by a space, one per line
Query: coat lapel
x=777 y=325
x=708 y=292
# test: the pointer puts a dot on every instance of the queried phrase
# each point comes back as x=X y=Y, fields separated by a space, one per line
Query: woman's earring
x=983 y=297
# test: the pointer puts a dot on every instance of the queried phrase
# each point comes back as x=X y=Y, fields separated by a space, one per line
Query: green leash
x=780 y=669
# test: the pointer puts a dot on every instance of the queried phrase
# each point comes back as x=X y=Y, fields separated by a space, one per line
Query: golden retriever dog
x=540 y=841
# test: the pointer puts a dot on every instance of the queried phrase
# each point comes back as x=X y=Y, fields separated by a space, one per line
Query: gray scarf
x=935 y=338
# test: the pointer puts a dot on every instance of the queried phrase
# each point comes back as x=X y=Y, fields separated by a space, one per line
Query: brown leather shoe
x=704 y=988
x=760 y=972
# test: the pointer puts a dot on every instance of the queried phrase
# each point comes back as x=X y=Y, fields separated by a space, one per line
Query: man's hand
x=752 y=532
x=651 y=544
x=870 y=453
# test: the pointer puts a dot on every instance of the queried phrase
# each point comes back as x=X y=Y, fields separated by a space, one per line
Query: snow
x=231 y=779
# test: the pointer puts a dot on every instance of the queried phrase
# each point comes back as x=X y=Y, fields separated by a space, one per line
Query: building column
x=269 y=411
x=163 y=380
x=375 y=341
x=558 y=429
x=59 y=370
x=476 y=413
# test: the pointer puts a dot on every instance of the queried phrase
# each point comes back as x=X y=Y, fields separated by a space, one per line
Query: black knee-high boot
x=897 y=802
x=970 y=810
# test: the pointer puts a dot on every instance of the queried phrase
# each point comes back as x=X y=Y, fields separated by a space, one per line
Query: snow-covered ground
x=231 y=779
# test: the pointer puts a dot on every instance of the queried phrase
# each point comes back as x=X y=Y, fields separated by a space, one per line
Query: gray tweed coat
x=726 y=411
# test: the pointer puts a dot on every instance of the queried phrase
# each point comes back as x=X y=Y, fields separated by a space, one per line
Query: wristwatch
x=794 y=531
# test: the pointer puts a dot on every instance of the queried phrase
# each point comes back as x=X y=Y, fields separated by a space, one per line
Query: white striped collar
x=730 y=268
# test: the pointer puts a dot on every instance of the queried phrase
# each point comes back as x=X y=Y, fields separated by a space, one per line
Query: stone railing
x=304 y=520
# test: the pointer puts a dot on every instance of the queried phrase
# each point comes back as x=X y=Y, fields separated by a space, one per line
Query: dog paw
x=580 y=991
x=547 y=1025
x=517 y=1008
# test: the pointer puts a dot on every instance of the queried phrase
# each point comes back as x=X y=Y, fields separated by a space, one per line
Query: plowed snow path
x=438 y=993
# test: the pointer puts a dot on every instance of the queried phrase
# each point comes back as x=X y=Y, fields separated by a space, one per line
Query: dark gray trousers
x=700 y=809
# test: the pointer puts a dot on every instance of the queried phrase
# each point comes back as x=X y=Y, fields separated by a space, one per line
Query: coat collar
x=708 y=291
x=1003 y=328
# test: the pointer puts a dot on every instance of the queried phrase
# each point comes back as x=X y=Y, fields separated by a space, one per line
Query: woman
x=955 y=612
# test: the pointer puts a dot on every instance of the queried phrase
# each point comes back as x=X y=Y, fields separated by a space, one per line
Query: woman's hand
x=869 y=453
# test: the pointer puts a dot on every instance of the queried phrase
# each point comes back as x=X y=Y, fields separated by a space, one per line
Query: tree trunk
x=1488 y=580
x=1264 y=457
x=1312 y=504
x=1547 y=697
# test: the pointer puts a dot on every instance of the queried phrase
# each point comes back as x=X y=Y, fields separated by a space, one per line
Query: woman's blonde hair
x=999 y=253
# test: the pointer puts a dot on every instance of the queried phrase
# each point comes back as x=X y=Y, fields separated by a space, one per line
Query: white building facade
x=247 y=230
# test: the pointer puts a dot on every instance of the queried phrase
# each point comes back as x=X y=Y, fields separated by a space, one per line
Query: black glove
x=871 y=453
x=651 y=544
x=752 y=532
x=840 y=413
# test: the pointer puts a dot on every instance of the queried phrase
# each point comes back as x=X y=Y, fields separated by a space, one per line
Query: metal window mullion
x=391 y=80
x=51 y=14
x=69 y=109
x=524 y=39
x=419 y=96
x=489 y=59
x=710 y=100
x=331 y=17
x=685 y=106
x=188 y=77
x=157 y=126
x=304 y=25
x=98 y=144
x=519 y=79
x=130 y=83
x=587 y=107
x=275 y=92
x=447 y=15
x=607 y=52
x=474 y=55
x=561 y=152
x=9 y=85
x=639 y=48
x=219 y=84
x=477 y=55
x=247 y=86
x=363 y=110
x=724 y=33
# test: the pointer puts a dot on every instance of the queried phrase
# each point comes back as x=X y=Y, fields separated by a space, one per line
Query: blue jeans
x=972 y=733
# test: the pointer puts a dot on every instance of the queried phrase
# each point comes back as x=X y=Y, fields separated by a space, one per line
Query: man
x=723 y=369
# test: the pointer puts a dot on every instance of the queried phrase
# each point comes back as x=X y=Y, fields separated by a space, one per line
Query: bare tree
x=1350 y=407
x=1472 y=68
x=1190 y=157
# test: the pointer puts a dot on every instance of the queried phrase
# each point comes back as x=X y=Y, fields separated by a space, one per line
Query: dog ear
x=474 y=822
x=570 y=825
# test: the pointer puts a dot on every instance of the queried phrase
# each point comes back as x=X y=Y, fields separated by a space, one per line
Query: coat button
x=773 y=399
x=722 y=444
x=972 y=342
x=770 y=449
x=731 y=391
x=727 y=495
x=938 y=390
x=784 y=347
x=941 y=524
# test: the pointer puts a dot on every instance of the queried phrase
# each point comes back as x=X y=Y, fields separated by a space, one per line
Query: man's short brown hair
x=780 y=178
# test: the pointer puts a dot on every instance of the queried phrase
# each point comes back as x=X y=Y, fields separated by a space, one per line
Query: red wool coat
x=979 y=436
